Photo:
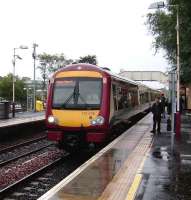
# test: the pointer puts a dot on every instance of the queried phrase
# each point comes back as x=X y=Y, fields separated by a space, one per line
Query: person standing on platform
x=156 y=109
x=163 y=104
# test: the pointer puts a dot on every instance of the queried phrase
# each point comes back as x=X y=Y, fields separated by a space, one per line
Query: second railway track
x=15 y=152
x=25 y=167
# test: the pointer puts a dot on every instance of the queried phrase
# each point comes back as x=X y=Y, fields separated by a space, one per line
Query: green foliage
x=91 y=59
x=162 y=25
x=6 y=88
x=51 y=63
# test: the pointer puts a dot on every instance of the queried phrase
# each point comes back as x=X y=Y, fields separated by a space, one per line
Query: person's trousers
x=156 y=122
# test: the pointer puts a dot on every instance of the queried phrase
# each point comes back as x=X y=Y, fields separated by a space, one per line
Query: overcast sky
x=113 y=30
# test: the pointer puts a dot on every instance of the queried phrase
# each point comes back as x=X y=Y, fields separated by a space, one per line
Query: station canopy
x=154 y=85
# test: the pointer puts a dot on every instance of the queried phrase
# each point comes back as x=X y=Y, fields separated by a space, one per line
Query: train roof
x=90 y=67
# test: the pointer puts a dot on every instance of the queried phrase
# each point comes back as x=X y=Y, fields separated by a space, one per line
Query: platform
x=22 y=118
x=167 y=170
x=110 y=173
x=137 y=165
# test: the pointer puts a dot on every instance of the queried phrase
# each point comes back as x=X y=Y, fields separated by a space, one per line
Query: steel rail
x=28 y=176
x=22 y=155
x=21 y=143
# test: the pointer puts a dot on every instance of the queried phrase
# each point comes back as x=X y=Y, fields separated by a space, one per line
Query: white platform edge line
x=70 y=177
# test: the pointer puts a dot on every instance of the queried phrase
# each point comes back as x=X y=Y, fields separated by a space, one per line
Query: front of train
x=77 y=105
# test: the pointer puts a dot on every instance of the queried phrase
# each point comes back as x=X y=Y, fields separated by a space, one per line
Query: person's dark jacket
x=163 y=103
x=156 y=109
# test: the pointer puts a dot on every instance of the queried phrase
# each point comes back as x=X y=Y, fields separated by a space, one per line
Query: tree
x=6 y=88
x=49 y=64
x=91 y=59
x=162 y=26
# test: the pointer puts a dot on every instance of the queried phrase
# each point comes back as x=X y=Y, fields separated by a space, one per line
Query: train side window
x=123 y=97
x=115 y=97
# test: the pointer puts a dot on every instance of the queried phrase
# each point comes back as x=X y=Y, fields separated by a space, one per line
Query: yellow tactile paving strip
x=133 y=189
x=123 y=180
x=137 y=180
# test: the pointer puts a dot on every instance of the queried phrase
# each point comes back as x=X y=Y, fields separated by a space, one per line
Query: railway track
x=19 y=140
x=27 y=166
x=15 y=152
x=40 y=182
x=24 y=159
x=25 y=142
x=30 y=176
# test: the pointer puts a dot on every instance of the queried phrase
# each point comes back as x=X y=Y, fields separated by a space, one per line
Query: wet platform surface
x=110 y=173
x=22 y=118
x=167 y=174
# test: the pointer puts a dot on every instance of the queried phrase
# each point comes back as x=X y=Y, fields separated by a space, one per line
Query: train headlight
x=93 y=122
x=98 y=121
x=52 y=119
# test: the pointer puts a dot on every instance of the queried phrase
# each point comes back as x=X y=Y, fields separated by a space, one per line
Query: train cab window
x=91 y=92
x=62 y=90
x=77 y=93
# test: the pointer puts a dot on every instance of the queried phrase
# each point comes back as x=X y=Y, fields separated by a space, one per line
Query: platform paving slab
x=167 y=175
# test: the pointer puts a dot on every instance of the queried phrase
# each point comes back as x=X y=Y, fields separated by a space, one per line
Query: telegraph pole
x=13 y=104
x=34 y=79
x=178 y=117
x=172 y=88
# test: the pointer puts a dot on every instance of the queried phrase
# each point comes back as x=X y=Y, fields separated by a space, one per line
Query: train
x=87 y=104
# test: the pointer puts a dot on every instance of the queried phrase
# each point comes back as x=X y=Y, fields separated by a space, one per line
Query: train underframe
x=72 y=140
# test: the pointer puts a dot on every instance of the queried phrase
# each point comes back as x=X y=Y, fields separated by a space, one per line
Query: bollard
x=169 y=124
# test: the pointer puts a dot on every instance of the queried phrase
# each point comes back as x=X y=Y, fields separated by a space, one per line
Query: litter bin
x=4 y=109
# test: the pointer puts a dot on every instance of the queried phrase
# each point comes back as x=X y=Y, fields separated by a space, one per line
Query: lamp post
x=14 y=61
x=158 y=5
x=34 y=79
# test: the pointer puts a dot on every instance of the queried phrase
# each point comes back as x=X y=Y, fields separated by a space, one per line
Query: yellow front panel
x=79 y=74
x=75 y=118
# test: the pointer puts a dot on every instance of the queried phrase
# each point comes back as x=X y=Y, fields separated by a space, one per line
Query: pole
x=13 y=103
x=27 y=99
x=173 y=109
x=34 y=80
x=178 y=74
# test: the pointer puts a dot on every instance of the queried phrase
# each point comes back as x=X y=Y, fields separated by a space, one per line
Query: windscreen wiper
x=73 y=95
x=67 y=100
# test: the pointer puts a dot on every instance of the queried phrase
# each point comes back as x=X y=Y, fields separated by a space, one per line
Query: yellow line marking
x=133 y=189
x=138 y=177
